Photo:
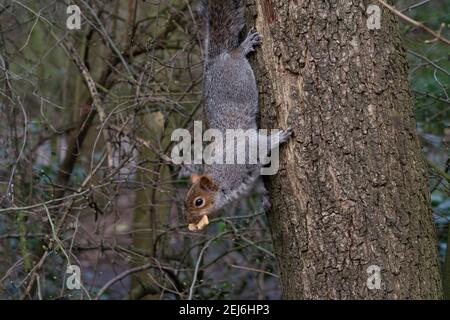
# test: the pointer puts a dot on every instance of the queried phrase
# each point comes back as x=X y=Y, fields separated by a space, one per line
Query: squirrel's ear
x=195 y=177
x=207 y=183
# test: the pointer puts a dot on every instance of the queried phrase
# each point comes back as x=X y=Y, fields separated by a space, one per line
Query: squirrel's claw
x=284 y=135
x=253 y=39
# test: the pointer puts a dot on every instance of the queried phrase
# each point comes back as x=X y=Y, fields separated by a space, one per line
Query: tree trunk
x=352 y=189
x=446 y=269
x=148 y=214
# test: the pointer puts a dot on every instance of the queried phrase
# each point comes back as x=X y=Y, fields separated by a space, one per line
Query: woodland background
x=84 y=174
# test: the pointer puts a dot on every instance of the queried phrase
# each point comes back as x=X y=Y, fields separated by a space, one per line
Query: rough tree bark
x=352 y=189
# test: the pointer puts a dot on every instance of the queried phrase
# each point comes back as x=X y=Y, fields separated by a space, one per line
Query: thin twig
x=199 y=259
x=436 y=35
x=121 y=276
x=73 y=54
x=255 y=270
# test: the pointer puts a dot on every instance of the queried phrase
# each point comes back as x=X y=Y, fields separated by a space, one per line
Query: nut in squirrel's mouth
x=201 y=220
x=204 y=221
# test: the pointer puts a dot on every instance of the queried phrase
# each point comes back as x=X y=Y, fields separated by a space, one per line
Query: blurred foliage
x=430 y=79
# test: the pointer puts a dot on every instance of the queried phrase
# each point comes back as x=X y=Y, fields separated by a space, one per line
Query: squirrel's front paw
x=253 y=39
x=284 y=135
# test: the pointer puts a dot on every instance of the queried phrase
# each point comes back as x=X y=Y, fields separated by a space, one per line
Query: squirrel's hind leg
x=253 y=39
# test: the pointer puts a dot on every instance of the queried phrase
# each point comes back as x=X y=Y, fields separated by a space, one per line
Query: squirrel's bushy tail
x=222 y=21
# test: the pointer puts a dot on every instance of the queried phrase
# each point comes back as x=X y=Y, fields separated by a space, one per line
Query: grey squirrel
x=230 y=102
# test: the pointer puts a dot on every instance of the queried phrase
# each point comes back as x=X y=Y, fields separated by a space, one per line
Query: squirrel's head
x=200 y=197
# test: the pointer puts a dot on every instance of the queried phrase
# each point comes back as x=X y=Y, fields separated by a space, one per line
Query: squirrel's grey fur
x=221 y=22
x=229 y=88
x=230 y=93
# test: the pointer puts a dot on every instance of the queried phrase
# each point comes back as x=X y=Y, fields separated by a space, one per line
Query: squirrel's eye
x=198 y=202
